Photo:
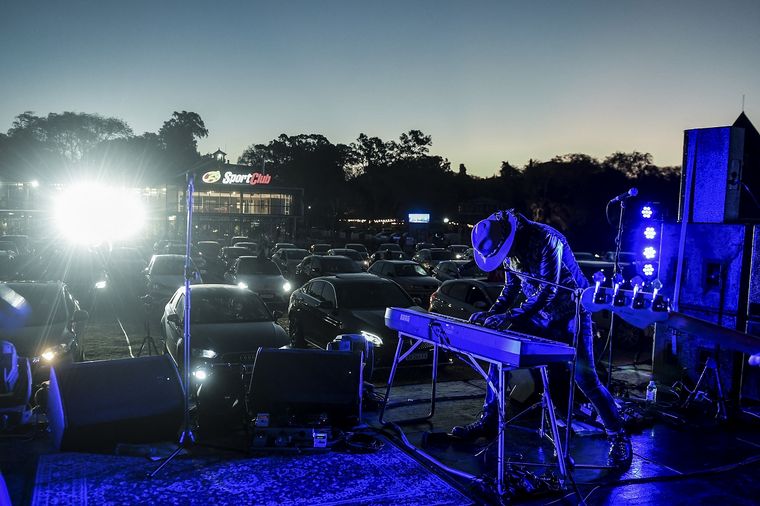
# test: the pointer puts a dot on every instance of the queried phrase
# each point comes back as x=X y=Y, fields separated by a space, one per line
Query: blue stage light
x=648 y=270
x=649 y=253
x=650 y=233
x=646 y=212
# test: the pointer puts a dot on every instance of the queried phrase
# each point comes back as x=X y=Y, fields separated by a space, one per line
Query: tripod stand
x=148 y=343
x=186 y=437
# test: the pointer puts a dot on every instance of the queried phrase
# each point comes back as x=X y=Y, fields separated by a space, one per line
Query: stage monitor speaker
x=302 y=387
x=92 y=406
x=711 y=175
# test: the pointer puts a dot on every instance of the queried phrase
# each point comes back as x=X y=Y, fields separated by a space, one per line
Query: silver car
x=263 y=277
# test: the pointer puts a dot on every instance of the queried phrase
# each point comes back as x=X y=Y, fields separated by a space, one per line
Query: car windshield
x=209 y=249
x=27 y=305
x=235 y=252
x=441 y=255
x=336 y=264
x=228 y=306
x=470 y=270
x=352 y=254
x=410 y=270
x=372 y=295
x=258 y=266
x=168 y=266
x=494 y=291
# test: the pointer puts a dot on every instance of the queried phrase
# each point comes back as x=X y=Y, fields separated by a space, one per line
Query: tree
x=179 y=139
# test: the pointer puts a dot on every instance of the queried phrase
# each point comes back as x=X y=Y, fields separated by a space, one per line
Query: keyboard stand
x=499 y=391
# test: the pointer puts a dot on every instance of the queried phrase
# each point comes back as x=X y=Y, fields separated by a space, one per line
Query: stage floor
x=678 y=459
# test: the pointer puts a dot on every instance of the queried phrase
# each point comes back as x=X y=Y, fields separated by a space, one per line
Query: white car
x=166 y=273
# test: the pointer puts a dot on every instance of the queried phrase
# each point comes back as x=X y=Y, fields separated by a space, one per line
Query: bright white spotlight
x=91 y=213
x=649 y=253
x=650 y=233
x=646 y=212
x=648 y=270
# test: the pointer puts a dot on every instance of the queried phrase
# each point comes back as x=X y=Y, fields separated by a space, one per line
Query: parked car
x=389 y=246
x=165 y=274
x=228 y=325
x=456 y=269
x=429 y=258
x=386 y=255
x=238 y=238
x=411 y=276
x=360 y=259
x=44 y=322
x=263 y=277
x=125 y=268
x=287 y=259
x=319 y=248
x=8 y=265
x=283 y=245
x=358 y=247
x=458 y=250
x=462 y=297
x=423 y=245
x=22 y=242
x=250 y=246
x=314 y=266
x=215 y=266
x=82 y=269
x=229 y=254
x=329 y=306
x=180 y=248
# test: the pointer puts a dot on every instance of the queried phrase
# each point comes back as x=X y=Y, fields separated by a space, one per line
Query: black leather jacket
x=542 y=252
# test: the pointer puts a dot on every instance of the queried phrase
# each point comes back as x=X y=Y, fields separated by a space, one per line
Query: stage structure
x=710 y=265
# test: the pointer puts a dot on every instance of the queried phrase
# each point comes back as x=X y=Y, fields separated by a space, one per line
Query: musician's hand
x=480 y=316
x=497 y=321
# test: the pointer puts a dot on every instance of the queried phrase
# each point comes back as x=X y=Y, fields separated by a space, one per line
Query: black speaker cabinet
x=94 y=405
x=711 y=175
x=306 y=387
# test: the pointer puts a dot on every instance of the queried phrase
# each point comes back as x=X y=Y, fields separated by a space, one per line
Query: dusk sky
x=490 y=81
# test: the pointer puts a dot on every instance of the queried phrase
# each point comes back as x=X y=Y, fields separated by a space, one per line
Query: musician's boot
x=621 y=453
x=487 y=425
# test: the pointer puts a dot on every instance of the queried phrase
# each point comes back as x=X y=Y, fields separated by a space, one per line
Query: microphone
x=630 y=193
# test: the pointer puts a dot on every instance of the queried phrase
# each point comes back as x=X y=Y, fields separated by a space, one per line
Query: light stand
x=186 y=437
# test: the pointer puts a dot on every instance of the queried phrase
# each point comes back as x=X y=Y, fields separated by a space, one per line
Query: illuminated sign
x=419 y=218
x=253 y=178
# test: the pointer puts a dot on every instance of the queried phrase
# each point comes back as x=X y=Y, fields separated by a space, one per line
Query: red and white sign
x=252 y=178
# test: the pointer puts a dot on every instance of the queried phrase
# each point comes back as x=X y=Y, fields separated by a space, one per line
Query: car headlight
x=372 y=338
x=286 y=286
x=101 y=284
x=200 y=374
x=53 y=352
x=203 y=353
x=242 y=285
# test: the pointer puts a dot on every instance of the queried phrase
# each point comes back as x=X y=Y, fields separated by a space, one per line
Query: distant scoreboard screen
x=419 y=217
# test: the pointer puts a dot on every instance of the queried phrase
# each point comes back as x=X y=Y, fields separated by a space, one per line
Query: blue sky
x=490 y=81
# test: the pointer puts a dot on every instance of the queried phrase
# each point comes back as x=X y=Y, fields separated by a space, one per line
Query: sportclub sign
x=232 y=178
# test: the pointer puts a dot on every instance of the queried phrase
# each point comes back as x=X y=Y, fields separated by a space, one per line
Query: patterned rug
x=387 y=477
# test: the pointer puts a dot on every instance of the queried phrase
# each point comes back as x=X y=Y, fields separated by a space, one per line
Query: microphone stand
x=186 y=437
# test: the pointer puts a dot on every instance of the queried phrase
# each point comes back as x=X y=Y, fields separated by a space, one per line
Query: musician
x=522 y=246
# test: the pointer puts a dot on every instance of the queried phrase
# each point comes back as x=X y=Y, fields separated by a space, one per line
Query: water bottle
x=652 y=391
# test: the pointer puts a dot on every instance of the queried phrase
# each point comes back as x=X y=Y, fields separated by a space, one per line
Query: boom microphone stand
x=186 y=437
